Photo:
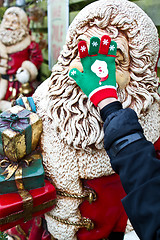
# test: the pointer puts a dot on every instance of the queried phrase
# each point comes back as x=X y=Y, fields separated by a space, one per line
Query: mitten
x=98 y=79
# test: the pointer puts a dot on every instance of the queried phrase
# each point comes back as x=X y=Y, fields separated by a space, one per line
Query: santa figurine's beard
x=11 y=37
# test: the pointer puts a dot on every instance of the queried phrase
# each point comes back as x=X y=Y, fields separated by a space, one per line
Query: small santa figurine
x=100 y=69
x=20 y=57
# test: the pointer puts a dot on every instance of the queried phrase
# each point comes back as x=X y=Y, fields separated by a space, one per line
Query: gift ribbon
x=16 y=216
x=16 y=168
x=8 y=120
x=13 y=118
x=25 y=195
x=10 y=169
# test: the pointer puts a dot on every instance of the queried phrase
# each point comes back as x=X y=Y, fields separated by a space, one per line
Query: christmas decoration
x=20 y=131
x=16 y=208
x=20 y=59
x=24 y=193
x=29 y=171
x=25 y=102
x=72 y=138
x=98 y=78
x=33 y=229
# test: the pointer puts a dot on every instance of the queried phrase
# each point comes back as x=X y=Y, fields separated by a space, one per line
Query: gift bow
x=13 y=118
x=12 y=167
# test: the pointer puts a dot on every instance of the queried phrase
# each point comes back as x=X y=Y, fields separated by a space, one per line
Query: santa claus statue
x=88 y=191
x=72 y=139
x=20 y=57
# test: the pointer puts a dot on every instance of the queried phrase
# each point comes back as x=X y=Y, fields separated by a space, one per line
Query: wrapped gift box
x=29 y=171
x=20 y=131
x=16 y=208
x=26 y=102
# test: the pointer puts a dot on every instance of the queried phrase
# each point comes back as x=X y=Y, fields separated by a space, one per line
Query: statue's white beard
x=82 y=127
x=76 y=119
x=11 y=37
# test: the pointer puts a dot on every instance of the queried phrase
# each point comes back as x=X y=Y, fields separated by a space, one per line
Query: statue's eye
x=15 y=22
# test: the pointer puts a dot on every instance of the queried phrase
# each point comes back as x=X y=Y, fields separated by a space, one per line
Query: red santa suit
x=25 y=54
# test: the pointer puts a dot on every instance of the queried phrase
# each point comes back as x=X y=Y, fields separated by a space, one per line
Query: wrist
x=106 y=101
x=109 y=109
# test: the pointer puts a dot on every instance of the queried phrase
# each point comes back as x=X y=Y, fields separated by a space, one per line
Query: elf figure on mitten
x=98 y=79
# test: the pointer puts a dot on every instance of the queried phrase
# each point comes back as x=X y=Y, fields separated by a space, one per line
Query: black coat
x=134 y=159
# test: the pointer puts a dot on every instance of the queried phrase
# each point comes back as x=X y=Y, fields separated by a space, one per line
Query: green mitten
x=98 y=79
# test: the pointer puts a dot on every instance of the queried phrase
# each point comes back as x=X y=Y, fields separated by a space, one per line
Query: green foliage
x=2 y=10
x=77 y=5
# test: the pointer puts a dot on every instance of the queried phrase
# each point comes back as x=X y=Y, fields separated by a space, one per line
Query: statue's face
x=122 y=58
x=11 y=22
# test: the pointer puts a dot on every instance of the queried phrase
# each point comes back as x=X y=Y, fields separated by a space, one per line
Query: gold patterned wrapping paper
x=20 y=131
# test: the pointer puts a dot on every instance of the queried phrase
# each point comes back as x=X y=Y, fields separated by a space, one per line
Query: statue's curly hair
x=76 y=118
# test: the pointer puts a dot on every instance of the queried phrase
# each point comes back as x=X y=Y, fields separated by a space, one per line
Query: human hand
x=22 y=75
x=98 y=79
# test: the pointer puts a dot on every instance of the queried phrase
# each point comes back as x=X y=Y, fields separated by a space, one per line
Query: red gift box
x=16 y=208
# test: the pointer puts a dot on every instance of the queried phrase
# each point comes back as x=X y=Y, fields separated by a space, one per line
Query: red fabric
x=37 y=231
x=35 y=54
x=107 y=211
x=12 y=90
x=16 y=60
x=104 y=45
x=157 y=144
x=82 y=48
x=101 y=94
x=12 y=203
x=31 y=53
x=157 y=148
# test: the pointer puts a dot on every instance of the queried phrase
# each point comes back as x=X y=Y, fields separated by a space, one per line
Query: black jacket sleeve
x=134 y=159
